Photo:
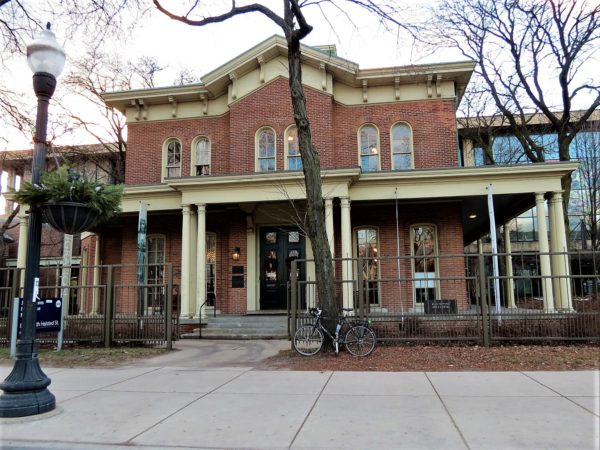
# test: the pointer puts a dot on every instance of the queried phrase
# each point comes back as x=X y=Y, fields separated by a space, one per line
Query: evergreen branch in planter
x=65 y=184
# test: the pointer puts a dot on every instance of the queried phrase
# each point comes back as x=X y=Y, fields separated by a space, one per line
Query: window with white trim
x=173 y=159
x=202 y=156
x=402 y=154
x=265 y=150
x=292 y=150
x=211 y=268
x=366 y=250
x=368 y=142
x=155 y=275
x=423 y=240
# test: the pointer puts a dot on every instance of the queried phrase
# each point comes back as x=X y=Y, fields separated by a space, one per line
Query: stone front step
x=243 y=327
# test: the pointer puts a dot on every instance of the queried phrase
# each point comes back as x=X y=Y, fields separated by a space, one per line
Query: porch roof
x=513 y=187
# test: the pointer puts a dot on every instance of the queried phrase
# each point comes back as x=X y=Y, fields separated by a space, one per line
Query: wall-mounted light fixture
x=472 y=216
x=235 y=254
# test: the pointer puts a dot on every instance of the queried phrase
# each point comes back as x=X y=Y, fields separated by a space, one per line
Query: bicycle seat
x=316 y=312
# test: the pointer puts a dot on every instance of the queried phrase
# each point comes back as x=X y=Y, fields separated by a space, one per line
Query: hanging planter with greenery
x=70 y=201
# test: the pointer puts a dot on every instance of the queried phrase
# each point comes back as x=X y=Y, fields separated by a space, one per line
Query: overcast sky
x=202 y=49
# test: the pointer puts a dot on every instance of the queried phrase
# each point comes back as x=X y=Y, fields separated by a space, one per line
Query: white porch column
x=185 y=310
x=65 y=277
x=96 y=295
x=509 y=283
x=346 y=229
x=193 y=282
x=10 y=185
x=22 y=248
x=545 y=267
x=201 y=262
x=329 y=225
x=560 y=261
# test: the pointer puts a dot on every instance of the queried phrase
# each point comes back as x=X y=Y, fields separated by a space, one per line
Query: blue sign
x=49 y=312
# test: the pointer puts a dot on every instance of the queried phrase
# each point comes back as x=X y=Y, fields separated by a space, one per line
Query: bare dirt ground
x=89 y=356
x=392 y=358
x=446 y=358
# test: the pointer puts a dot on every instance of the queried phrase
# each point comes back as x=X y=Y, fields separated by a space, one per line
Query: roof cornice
x=215 y=83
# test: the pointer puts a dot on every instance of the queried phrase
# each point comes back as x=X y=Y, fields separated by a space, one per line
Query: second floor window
x=294 y=161
x=202 y=155
x=266 y=150
x=173 y=167
x=402 y=157
x=369 y=148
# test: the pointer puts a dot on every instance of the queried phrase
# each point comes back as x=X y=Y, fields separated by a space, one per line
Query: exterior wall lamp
x=25 y=388
x=235 y=254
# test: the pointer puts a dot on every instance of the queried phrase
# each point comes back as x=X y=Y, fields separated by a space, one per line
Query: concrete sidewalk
x=209 y=396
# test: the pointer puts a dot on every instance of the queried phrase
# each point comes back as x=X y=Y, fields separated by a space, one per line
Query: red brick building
x=218 y=167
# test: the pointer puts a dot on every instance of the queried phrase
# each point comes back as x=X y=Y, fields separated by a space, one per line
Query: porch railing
x=457 y=302
x=102 y=304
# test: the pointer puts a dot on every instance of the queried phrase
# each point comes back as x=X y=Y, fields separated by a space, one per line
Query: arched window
x=201 y=152
x=265 y=150
x=172 y=158
x=423 y=239
x=402 y=154
x=292 y=150
x=367 y=244
x=368 y=142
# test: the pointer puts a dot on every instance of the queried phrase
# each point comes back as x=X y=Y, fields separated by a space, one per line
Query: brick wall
x=334 y=128
x=230 y=230
x=145 y=142
x=433 y=125
x=446 y=218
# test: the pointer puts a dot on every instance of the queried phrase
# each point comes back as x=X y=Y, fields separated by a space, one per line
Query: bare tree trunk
x=311 y=166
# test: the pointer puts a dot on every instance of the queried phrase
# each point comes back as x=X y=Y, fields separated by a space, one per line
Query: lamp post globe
x=25 y=388
x=45 y=55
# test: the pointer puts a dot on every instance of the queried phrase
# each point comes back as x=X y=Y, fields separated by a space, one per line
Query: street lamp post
x=25 y=388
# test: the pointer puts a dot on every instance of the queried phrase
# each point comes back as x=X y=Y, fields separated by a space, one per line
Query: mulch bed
x=398 y=358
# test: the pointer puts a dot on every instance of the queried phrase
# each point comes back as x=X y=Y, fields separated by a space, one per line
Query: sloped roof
x=215 y=82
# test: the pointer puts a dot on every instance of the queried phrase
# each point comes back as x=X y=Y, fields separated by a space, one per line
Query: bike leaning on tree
x=357 y=336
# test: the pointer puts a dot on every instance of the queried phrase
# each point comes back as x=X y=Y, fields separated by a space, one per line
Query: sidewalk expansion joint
x=561 y=395
x=311 y=410
x=456 y=427
x=130 y=440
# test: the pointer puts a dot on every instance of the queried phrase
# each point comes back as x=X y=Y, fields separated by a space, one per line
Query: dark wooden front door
x=278 y=247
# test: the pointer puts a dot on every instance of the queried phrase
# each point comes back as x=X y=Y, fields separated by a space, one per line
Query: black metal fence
x=101 y=304
x=457 y=299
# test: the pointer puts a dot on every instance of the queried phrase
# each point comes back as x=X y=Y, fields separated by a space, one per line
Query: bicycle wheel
x=308 y=340
x=360 y=340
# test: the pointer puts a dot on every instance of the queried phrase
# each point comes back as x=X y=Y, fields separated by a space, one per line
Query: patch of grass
x=89 y=356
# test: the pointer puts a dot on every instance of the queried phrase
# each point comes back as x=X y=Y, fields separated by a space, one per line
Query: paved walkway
x=208 y=396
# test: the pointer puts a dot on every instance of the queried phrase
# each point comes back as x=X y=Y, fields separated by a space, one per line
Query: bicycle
x=358 y=338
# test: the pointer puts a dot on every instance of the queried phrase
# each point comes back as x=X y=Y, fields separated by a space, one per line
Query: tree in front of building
x=294 y=24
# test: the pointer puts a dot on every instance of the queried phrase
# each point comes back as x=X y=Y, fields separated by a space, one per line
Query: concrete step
x=216 y=333
x=244 y=327
x=246 y=318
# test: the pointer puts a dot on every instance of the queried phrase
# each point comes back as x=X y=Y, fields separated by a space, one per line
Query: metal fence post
x=293 y=300
x=108 y=307
x=169 y=308
x=483 y=302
